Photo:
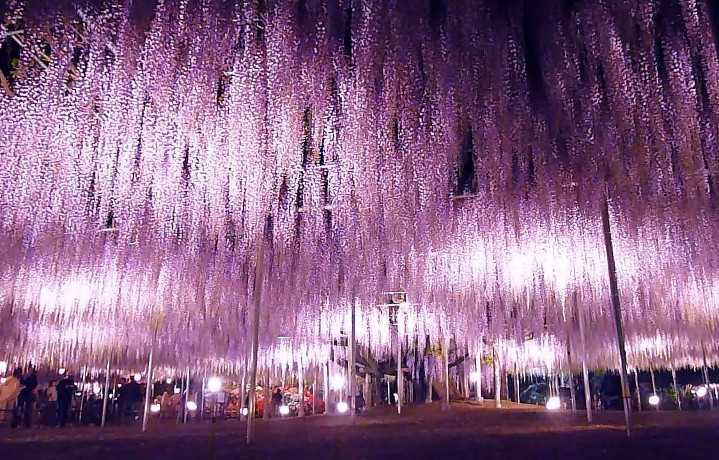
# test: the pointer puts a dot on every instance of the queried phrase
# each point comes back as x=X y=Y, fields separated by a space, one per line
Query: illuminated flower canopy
x=456 y=150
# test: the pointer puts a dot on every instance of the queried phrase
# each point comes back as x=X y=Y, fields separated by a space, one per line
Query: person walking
x=65 y=393
x=9 y=392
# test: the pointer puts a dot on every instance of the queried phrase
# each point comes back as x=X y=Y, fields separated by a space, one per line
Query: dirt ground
x=423 y=431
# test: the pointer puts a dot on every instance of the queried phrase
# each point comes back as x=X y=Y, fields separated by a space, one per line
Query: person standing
x=27 y=398
x=9 y=392
x=276 y=402
x=49 y=411
x=65 y=392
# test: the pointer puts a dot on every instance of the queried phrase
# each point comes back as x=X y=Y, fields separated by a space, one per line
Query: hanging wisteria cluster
x=456 y=150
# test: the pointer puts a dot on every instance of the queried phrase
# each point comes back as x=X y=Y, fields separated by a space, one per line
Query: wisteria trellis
x=458 y=150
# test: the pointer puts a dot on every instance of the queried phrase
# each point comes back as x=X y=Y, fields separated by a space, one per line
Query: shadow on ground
x=423 y=431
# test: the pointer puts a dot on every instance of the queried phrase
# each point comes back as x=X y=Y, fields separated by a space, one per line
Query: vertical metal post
x=82 y=393
x=257 y=297
x=400 y=374
x=326 y=381
x=654 y=385
x=148 y=389
x=301 y=390
x=585 y=371
x=639 y=394
x=181 y=409
x=478 y=370
x=445 y=372
x=516 y=383
x=243 y=388
x=497 y=380
x=428 y=396
x=104 y=394
x=572 y=394
x=187 y=395
x=676 y=389
x=613 y=286
x=202 y=392
x=351 y=363
x=314 y=396
x=710 y=393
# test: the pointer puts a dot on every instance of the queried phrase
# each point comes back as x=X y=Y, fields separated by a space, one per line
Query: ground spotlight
x=155 y=408
x=654 y=400
x=2 y=381
x=701 y=392
x=61 y=371
x=342 y=407
x=191 y=405
x=168 y=381
x=284 y=410
x=245 y=411
x=554 y=403
x=137 y=377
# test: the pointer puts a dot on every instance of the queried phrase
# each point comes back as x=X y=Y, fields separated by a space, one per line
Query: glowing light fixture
x=654 y=400
x=554 y=403
x=214 y=384
x=155 y=408
x=176 y=390
x=337 y=382
x=474 y=377
x=3 y=367
x=245 y=411
x=137 y=377
x=342 y=407
x=61 y=371
x=168 y=381
x=191 y=405
x=701 y=392
x=284 y=410
x=2 y=381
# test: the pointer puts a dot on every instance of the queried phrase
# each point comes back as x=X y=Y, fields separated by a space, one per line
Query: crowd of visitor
x=24 y=403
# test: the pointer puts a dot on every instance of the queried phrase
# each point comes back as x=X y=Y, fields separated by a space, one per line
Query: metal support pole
x=639 y=395
x=497 y=381
x=351 y=364
x=654 y=385
x=148 y=389
x=445 y=372
x=516 y=384
x=104 y=394
x=243 y=388
x=465 y=379
x=613 y=286
x=82 y=393
x=314 y=397
x=400 y=374
x=181 y=409
x=585 y=371
x=572 y=394
x=710 y=393
x=676 y=389
x=478 y=370
x=326 y=379
x=202 y=397
x=257 y=297
x=187 y=395
x=301 y=390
